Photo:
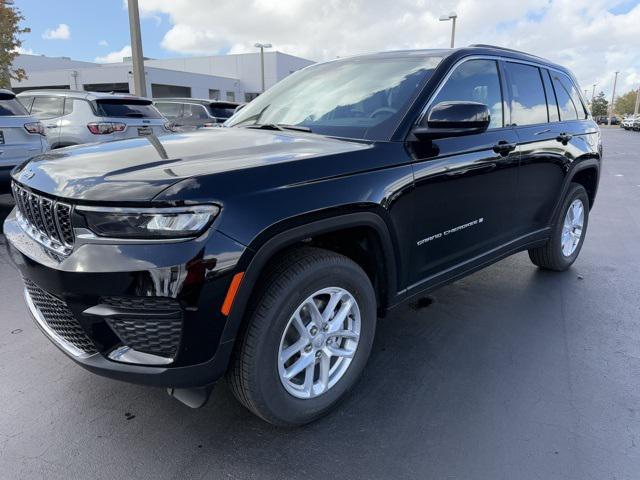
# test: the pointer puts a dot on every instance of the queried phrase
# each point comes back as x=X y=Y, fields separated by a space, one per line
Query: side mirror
x=453 y=119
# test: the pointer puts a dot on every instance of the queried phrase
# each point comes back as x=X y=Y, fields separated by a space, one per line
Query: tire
x=551 y=256
x=257 y=375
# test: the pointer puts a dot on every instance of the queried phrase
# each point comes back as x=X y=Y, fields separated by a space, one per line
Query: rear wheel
x=308 y=337
x=568 y=232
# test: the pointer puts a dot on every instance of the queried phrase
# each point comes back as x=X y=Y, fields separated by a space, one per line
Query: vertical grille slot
x=45 y=219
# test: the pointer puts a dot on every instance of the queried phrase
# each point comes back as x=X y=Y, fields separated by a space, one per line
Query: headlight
x=174 y=222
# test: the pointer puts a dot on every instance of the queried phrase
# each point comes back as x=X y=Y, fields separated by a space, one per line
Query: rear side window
x=10 y=106
x=475 y=81
x=126 y=108
x=170 y=109
x=528 y=102
x=26 y=101
x=47 y=107
x=552 y=104
x=569 y=102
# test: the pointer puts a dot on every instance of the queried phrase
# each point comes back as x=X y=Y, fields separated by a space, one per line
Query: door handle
x=504 y=148
x=564 y=138
x=52 y=125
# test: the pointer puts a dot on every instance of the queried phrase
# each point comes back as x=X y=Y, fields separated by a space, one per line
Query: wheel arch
x=262 y=250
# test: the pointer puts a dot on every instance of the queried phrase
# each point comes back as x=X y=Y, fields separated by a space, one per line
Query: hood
x=136 y=170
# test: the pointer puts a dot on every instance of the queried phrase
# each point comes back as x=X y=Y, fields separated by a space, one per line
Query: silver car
x=76 y=117
x=21 y=135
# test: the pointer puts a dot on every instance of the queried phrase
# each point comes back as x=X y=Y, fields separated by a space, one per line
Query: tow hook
x=191 y=397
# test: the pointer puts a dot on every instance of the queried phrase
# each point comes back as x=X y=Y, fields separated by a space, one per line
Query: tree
x=10 y=32
x=600 y=106
x=625 y=104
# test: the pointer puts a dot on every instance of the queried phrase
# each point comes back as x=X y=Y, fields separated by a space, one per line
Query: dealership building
x=234 y=77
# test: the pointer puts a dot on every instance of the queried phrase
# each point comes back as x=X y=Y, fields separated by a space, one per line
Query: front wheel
x=308 y=337
x=567 y=234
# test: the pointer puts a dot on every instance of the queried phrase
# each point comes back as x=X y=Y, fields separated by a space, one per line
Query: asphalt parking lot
x=512 y=373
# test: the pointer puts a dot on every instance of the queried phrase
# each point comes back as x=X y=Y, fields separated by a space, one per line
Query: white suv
x=76 y=117
x=21 y=136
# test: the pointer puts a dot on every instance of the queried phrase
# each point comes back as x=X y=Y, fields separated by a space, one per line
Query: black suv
x=267 y=249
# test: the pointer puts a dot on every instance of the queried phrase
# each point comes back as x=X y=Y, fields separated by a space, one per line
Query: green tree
x=600 y=105
x=625 y=104
x=10 y=32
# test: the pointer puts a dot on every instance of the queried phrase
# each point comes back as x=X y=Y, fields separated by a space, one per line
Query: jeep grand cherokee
x=267 y=250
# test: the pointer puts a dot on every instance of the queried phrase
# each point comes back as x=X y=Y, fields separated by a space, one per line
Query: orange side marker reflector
x=231 y=293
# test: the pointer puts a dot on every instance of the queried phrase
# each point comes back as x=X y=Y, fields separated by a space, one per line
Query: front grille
x=59 y=318
x=45 y=219
x=152 y=324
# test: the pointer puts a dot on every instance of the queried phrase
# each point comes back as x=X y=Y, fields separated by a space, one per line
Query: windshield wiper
x=279 y=127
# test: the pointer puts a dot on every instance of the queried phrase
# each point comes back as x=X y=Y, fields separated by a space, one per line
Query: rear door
x=465 y=186
x=49 y=109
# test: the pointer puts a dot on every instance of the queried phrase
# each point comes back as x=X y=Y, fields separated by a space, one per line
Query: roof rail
x=496 y=47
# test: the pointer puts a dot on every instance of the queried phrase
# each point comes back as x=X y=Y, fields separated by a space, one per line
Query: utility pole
x=445 y=18
x=635 y=110
x=593 y=93
x=139 y=80
x=613 y=97
x=262 y=46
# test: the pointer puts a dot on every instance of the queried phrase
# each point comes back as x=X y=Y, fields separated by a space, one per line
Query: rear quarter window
x=569 y=103
x=126 y=108
x=10 y=106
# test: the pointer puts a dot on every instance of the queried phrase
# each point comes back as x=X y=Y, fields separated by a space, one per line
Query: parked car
x=21 y=136
x=76 y=117
x=191 y=113
x=267 y=249
x=635 y=124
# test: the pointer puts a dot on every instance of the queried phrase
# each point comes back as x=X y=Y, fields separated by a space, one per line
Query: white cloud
x=103 y=43
x=114 y=57
x=61 y=32
x=580 y=34
x=25 y=51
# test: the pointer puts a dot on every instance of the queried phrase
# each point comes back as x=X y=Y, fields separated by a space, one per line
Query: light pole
x=445 y=18
x=635 y=110
x=613 y=96
x=139 y=82
x=262 y=46
x=593 y=93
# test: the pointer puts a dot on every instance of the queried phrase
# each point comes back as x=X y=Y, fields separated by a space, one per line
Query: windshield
x=126 y=108
x=363 y=98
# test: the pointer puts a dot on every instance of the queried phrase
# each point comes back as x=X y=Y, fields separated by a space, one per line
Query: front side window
x=528 y=102
x=475 y=81
x=362 y=98
x=47 y=107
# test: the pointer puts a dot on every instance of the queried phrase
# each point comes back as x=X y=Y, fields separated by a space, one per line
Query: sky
x=594 y=38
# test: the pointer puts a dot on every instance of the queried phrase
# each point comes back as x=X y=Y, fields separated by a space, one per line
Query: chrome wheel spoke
x=348 y=334
x=341 y=352
x=314 y=313
x=291 y=350
x=302 y=363
x=299 y=325
x=331 y=306
x=325 y=367
x=341 y=315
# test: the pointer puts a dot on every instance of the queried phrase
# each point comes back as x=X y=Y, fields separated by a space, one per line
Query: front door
x=465 y=187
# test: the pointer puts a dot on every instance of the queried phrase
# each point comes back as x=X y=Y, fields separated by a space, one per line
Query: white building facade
x=222 y=77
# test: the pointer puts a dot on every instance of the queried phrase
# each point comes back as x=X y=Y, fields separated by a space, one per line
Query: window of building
x=528 y=102
x=231 y=96
x=214 y=94
x=159 y=90
x=475 y=81
x=248 y=96
x=47 y=107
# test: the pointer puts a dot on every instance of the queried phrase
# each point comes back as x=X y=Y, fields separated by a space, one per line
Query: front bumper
x=150 y=313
